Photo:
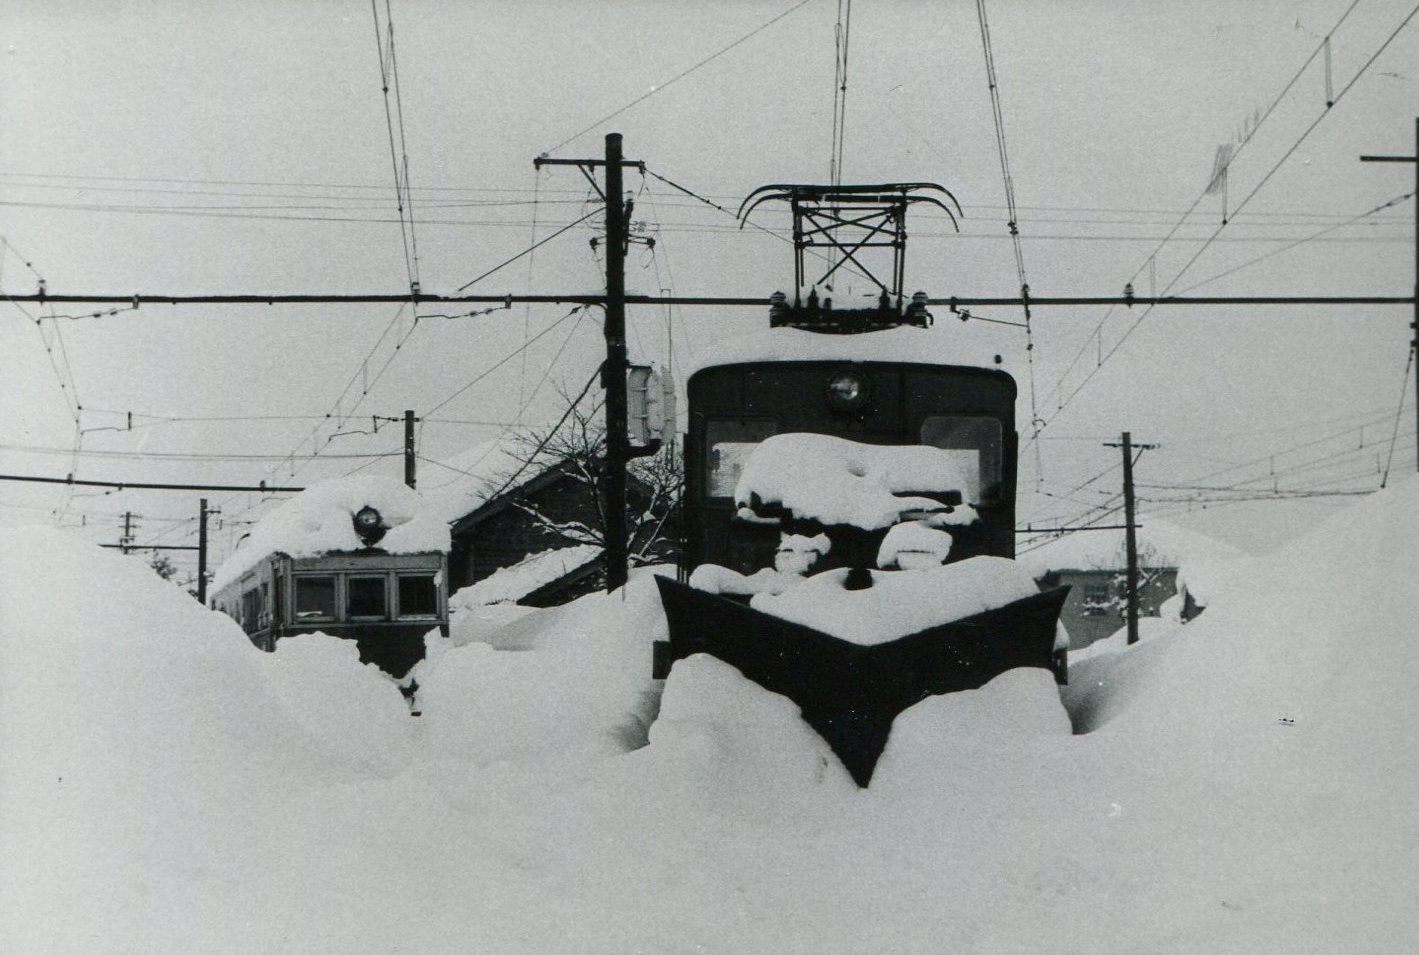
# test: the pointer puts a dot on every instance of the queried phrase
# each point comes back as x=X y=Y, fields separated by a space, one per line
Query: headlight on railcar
x=369 y=525
x=848 y=391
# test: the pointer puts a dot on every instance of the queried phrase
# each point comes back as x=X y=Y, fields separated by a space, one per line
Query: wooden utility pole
x=127 y=531
x=409 y=420
x=1414 y=323
x=202 y=513
x=1130 y=528
x=613 y=371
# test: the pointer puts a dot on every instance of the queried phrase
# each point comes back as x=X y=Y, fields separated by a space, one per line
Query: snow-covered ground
x=1241 y=783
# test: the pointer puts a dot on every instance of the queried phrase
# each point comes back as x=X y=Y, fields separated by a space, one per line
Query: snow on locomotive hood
x=903 y=344
x=835 y=481
x=320 y=520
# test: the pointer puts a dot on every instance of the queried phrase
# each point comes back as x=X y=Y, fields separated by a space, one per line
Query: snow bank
x=152 y=753
x=1203 y=578
x=899 y=602
x=725 y=736
x=320 y=519
x=1243 y=784
x=581 y=689
x=927 y=346
x=835 y=481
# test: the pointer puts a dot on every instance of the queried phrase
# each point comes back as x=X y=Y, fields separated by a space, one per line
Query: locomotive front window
x=418 y=596
x=365 y=597
x=315 y=598
x=977 y=441
x=728 y=443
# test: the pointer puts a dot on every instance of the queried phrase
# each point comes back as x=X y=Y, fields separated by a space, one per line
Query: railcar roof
x=933 y=346
x=320 y=520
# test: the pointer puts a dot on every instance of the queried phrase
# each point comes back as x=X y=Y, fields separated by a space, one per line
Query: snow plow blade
x=850 y=693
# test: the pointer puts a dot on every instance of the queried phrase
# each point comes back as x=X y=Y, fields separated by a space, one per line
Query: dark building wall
x=508 y=533
x=1098 y=600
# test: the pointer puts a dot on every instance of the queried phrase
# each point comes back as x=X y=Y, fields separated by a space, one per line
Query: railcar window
x=365 y=597
x=315 y=598
x=979 y=443
x=418 y=596
x=728 y=443
x=251 y=610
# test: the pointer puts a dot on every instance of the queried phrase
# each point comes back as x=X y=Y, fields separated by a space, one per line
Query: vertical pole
x=202 y=552
x=1130 y=538
x=127 y=530
x=1414 y=325
x=613 y=372
x=409 y=447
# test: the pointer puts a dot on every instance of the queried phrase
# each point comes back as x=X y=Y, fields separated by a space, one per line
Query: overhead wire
x=1013 y=225
x=1398 y=413
x=1222 y=171
x=661 y=87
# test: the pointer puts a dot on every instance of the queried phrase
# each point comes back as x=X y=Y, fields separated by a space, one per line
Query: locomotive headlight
x=848 y=391
x=369 y=525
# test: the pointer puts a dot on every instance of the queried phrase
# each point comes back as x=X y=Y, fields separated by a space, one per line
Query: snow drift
x=1238 y=784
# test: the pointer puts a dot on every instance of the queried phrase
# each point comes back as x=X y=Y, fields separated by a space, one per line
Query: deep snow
x=1242 y=783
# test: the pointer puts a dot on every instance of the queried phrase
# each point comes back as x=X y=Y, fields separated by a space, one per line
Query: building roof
x=1160 y=544
x=533 y=573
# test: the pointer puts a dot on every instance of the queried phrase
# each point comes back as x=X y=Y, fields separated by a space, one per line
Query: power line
x=530 y=249
x=1398 y=413
x=1226 y=165
x=504 y=360
x=1288 y=247
x=659 y=87
x=144 y=485
x=1013 y=225
x=174 y=455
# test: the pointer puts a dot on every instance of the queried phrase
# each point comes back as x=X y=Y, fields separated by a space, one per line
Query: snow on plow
x=850 y=692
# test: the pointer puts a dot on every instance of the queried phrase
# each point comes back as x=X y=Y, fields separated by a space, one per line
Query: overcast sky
x=214 y=147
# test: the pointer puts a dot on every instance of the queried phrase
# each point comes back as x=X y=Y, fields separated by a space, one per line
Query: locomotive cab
x=967 y=412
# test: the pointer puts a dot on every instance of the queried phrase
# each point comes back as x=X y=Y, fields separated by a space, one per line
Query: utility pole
x=613 y=370
x=1414 y=324
x=127 y=531
x=409 y=420
x=202 y=515
x=1130 y=528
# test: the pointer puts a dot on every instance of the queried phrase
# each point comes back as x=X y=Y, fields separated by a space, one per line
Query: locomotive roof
x=319 y=520
x=903 y=344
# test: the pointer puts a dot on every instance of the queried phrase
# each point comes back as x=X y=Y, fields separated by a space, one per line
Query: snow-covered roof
x=320 y=520
x=947 y=345
x=1160 y=544
x=460 y=484
x=511 y=584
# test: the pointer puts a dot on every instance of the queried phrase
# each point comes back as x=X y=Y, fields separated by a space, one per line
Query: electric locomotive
x=863 y=391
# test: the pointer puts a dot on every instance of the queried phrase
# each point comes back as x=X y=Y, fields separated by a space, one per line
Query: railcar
x=384 y=602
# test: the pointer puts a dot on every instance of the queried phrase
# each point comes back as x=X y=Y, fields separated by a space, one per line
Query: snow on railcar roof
x=320 y=520
x=903 y=344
